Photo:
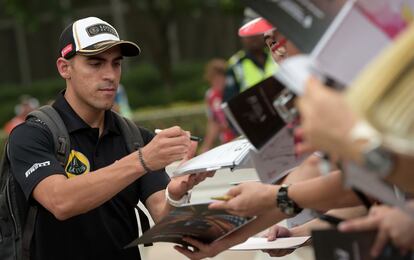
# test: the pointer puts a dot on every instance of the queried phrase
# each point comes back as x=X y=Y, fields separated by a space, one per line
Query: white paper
x=303 y=217
x=276 y=159
x=294 y=71
x=344 y=51
x=340 y=54
x=261 y=243
x=229 y=155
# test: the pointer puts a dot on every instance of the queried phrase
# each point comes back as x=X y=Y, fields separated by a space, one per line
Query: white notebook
x=230 y=155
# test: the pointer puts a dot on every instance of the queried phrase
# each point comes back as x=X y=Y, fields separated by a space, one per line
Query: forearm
x=165 y=210
x=70 y=197
x=158 y=206
x=305 y=171
x=344 y=213
x=402 y=173
x=323 y=193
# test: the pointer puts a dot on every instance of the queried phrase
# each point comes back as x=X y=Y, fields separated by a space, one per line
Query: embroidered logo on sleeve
x=35 y=167
x=77 y=164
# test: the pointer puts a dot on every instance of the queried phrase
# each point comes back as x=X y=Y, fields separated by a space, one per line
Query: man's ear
x=63 y=66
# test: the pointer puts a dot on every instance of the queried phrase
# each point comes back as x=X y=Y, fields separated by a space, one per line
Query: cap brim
x=255 y=27
x=128 y=48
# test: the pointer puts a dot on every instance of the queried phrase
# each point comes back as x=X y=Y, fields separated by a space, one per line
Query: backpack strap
x=28 y=232
x=130 y=132
x=49 y=116
x=133 y=139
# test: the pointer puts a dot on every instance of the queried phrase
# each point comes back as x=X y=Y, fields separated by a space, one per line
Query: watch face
x=285 y=207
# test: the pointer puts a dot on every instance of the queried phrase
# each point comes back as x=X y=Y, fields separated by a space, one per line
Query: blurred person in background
x=121 y=104
x=279 y=46
x=217 y=126
x=27 y=104
x=250 y=65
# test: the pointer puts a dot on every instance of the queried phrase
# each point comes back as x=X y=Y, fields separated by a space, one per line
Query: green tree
x=163 y=14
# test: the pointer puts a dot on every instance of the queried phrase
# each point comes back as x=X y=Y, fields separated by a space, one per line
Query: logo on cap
x=67 y=49
x=100 y=28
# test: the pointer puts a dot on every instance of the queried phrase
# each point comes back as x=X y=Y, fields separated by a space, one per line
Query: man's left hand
x=180 y=185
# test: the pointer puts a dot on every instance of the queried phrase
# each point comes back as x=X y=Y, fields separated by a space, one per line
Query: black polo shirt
x=102 y=232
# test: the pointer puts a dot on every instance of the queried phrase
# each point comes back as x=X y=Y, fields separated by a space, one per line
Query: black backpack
x=14 y=238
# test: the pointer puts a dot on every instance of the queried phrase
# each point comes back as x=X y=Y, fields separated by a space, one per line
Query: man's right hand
x=170 y=145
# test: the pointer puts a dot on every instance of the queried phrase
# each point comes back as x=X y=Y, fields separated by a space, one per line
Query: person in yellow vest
x=250 y=65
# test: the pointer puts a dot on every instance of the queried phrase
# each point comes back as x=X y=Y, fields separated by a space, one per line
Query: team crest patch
x=77 y=164
x=99 y=29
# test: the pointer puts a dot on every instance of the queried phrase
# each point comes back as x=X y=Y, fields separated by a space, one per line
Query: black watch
x=286 y=204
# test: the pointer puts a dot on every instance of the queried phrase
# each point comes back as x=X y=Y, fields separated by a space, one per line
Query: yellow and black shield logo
x=77 y=164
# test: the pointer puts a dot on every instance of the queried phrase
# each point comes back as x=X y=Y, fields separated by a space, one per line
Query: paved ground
x=215 y=186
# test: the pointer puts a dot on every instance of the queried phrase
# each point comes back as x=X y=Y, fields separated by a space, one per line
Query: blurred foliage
x=185 y=6
x=142 y=83
x=145 y=87
x=29 y=12
x=189 y=116
x=44 y=91
x=162 y=14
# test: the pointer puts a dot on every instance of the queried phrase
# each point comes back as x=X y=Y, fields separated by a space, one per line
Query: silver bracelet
x=176 y=203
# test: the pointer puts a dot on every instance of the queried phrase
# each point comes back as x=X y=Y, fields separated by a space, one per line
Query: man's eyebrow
x=97 y=58
x=92 y=58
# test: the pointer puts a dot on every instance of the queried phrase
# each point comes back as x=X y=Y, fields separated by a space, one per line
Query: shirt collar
x=74 y=122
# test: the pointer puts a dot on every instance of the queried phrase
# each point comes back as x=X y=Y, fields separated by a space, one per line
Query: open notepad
x=252 y=112
x=261 y=243
x=230 y=155
x=254 y=115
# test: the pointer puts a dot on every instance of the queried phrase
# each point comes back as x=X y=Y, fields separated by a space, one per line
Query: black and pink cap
x=91 y=36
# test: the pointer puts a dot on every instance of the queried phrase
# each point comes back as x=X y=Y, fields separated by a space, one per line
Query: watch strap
x=286 y=204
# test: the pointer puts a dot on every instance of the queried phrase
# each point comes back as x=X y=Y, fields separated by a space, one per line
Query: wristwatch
x=286 y=204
